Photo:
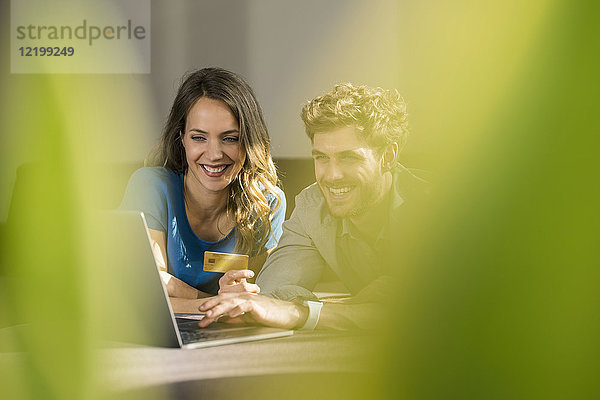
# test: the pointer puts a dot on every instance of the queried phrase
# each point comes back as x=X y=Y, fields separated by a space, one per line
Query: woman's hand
x=178 y=288
x=235 y=281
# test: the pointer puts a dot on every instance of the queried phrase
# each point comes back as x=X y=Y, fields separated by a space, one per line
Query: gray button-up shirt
x=313 y=240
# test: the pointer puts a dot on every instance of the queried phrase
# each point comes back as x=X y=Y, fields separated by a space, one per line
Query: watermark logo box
x=80 y=37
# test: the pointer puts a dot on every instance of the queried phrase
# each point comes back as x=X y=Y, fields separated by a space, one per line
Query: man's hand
x=234 y=281
x=253 y=308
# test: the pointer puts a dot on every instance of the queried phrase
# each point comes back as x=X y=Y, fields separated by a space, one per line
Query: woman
x=213 y=184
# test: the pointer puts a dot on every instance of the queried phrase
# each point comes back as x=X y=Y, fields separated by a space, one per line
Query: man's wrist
x=301 y=315
x=314 y=312
x=308 y=313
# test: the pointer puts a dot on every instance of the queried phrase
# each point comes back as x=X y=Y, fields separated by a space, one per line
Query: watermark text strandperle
x=82 y=32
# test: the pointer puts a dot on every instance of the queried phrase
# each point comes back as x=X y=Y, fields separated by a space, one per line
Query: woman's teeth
x=214 y=170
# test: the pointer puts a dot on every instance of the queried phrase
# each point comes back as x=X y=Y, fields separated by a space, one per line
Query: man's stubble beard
x=366 y=200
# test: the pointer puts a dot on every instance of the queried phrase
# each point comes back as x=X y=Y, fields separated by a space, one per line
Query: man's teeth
x=214 y=170
x=339 y=191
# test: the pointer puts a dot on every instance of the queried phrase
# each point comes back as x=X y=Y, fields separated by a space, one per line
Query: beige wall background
x=289 y=51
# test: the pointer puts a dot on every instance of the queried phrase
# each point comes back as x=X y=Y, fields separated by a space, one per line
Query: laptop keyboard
x=191 y=333
x=194 y=336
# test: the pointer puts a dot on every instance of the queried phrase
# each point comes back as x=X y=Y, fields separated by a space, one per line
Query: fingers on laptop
x=223 y=307
x=239 y=320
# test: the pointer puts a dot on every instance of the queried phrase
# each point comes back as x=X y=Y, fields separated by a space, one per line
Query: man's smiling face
x=349 y=172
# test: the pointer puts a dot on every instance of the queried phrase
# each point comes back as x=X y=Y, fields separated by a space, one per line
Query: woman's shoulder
x=277 y=191
x=151 y=190
x=155 y=182
x=155 y=175
x=275 y=195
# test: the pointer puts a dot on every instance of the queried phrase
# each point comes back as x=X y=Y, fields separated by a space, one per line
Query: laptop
x=142 y=313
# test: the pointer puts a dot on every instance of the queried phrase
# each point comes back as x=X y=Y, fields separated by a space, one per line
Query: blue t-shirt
x=158 y=192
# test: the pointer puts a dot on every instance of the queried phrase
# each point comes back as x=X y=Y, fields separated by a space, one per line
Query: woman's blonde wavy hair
x=378 y=115
x=247 y=200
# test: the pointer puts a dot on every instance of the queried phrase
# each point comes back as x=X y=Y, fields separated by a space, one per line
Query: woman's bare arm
x=175 y=287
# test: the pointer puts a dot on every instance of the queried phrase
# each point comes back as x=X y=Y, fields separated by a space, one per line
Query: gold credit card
x=223 y=262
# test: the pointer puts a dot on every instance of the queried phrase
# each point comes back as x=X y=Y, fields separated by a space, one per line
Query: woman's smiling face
x=212 y=145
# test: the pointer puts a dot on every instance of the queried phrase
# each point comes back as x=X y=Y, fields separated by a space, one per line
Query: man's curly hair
x=378 y=115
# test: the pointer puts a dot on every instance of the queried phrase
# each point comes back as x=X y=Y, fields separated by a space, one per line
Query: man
x=343 y=222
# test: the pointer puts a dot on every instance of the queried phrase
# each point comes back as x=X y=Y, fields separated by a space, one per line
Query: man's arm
x=294 y=267
x=366 y=310
x=363 y=316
